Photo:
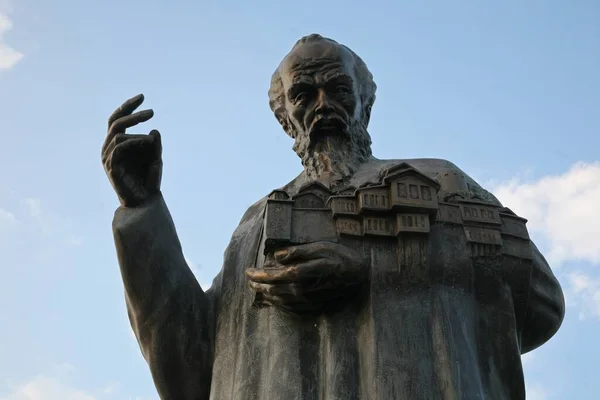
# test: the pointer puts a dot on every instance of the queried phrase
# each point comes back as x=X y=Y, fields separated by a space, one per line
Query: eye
x=342 y=89
x=301 y=97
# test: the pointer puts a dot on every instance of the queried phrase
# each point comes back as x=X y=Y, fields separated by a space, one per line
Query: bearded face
x=319 y=104
x=320 y=90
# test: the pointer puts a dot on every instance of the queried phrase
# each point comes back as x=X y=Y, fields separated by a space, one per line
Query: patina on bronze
x=360 y=279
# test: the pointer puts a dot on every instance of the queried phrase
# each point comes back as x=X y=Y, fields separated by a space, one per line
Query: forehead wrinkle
x=302 y=78
x=326 y=73
x=337 y=75
x=306 y=64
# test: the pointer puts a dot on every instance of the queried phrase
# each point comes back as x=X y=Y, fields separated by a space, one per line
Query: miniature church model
x=403 y=202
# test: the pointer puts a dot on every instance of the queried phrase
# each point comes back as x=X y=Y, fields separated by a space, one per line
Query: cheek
x=297 y=114
x=358 y=110
x=352 y=106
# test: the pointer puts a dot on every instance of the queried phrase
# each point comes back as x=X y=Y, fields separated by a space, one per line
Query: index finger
x=306 y=251
x=120 y=125
x=126 y=108
x=311 y=269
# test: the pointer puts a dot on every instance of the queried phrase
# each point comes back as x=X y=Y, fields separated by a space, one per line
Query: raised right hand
x=133 y=163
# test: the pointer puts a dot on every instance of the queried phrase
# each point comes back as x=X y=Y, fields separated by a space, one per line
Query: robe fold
x=453 y=328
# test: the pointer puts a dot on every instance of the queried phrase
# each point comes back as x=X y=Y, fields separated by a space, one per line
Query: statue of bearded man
x=384 y=279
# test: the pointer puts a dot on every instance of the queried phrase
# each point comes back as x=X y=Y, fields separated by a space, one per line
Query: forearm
x=177 y=344
x=150 y=256
x=170 y=314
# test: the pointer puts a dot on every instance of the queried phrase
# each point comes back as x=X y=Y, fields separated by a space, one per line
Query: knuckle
x=292 y=251
x=295 y=290
x=269 y=289
x=118 y=124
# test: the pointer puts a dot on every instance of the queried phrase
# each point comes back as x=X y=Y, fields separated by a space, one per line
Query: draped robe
x=455 y=330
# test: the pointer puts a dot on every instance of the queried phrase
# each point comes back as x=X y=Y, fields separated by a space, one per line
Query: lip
x=328 y=125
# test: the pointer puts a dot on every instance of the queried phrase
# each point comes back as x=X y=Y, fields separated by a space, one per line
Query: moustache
x=327 y=125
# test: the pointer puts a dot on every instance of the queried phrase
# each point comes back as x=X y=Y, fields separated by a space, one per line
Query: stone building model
x=391 y=220
x=403 y=203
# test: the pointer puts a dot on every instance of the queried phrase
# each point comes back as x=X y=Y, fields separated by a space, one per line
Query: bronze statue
x=360 y=279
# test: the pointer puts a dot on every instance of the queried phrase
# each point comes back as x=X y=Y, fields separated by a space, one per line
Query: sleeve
x=545 y=306
x=171 y=316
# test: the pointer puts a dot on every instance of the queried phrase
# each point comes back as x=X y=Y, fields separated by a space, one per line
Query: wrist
x=140 y=201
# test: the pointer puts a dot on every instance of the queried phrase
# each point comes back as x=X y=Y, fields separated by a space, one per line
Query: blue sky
x=509 y=91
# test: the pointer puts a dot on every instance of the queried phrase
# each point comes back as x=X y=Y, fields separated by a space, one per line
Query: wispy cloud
x=35 y=207
x=50 y=224
x=536 y=392
x=533 y=389
x=111 y=388
x=563 y=209
x=34 y=210
x=55 y=384
x=30 y=229
x=583 y=292
x=526 y=359
x=43 y=387
x=7 y=218
x=9 y=57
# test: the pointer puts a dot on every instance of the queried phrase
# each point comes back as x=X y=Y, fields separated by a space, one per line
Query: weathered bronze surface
x=360 y=279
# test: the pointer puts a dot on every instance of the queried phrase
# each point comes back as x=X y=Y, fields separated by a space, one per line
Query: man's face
x=320 y=89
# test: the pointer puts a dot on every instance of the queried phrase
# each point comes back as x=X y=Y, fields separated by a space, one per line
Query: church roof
x=315 y=184
x=406 y=169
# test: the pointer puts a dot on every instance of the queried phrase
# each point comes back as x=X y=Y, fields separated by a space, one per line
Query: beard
x=332 y=148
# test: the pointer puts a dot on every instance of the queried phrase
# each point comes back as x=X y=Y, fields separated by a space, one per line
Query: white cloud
x=30 y=229
x=74 y=240
x=526 y=359
x=35 y=207
x=110 y=389
x=584 y=292
x=46 y=388
x=533 y=389
x=536 y=392
x=7 y=218
x=563 y=208
x=51 y=225
x=9 y=57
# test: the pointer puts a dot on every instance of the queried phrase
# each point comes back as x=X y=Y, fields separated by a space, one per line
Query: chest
x=414 y=235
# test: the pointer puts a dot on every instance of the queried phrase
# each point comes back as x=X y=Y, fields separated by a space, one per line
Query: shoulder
x=453 y=181
x=251 y=218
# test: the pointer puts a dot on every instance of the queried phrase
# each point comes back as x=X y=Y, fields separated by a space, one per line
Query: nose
x=323 y=105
